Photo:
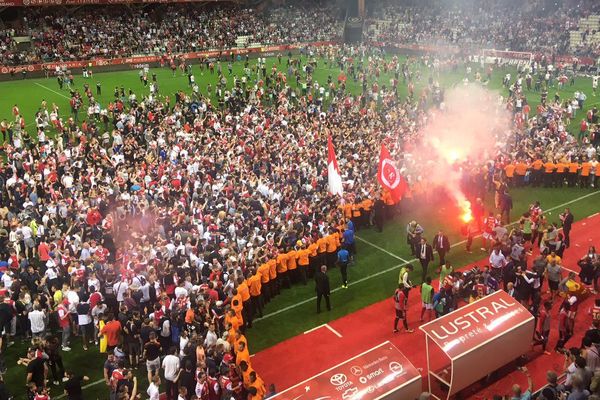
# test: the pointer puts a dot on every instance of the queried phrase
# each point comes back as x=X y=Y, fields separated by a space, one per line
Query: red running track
x=304 y=356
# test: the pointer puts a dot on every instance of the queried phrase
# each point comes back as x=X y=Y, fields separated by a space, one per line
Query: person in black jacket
x=567 y=223
x=442 y=245
x=425 y=255
x=322 y=288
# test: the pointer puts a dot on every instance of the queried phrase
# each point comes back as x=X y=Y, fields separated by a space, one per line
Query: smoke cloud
x=464 y=132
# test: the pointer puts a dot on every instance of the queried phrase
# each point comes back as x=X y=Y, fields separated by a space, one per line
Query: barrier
x=380 y=373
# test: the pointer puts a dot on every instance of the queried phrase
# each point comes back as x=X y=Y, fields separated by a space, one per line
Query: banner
x=101 y=62
x=382 y=372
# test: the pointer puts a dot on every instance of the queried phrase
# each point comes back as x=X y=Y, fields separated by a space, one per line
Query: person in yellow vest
x=303 y=260
x=272 y=263
x=509 y=172
x=559 y=175
x=366 y=207
x=520 y=172
x=244 y=293
x=283 y=278
x=313 y=248
x=573 y=170
x=537 y=172
x=332 y=246
x=549 y=168
x=292 y=264
x=356 y=215
x=584 y=179
x=597 y=175
x=322 y=251
x=263 y=271
x=254 y=286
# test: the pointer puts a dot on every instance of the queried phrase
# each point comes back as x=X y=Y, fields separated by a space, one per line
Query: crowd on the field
x=112 y=32
x=161 y=225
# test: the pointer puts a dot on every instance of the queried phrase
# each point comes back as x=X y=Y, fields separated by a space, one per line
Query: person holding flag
x=333 y=171
x=388 y=176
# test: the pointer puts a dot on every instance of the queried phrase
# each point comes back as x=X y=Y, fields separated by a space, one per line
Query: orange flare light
x=467 y=215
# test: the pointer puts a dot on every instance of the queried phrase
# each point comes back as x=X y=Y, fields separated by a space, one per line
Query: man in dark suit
x=322 y=288
x=441 y=244
x=567 y=223
x=425 y=255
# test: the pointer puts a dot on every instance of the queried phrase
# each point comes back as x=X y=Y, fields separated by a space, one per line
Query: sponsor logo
x=356 y=370
x=396 y=367
x=338 y=379
x=467 y=321
x=349 y=393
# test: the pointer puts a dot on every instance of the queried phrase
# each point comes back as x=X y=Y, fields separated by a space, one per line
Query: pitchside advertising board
x=379 y=373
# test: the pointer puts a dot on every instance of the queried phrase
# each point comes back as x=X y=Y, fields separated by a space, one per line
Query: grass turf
x=371 y=262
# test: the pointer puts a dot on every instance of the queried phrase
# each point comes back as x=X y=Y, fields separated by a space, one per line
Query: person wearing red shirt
x=112 y=331
x=400 y=300
x=43 y=251
x=64 y=321
x=542 y=330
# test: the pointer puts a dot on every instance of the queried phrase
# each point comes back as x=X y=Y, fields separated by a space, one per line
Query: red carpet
x=304 y=356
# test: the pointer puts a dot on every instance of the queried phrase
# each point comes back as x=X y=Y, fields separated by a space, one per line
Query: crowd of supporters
x=503 y=25
x=111 y=32
x=172 y=220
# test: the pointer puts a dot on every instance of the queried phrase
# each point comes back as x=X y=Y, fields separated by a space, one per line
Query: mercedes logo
x=338 y=379
x=356 y=370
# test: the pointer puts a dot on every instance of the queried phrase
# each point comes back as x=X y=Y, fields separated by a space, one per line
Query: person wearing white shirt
x=171 y=366
x=497 y=262
x=153 y=389
x=119 y=289
x=38 y=321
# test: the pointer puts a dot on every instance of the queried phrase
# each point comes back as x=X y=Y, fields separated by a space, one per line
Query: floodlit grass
x=28 y=95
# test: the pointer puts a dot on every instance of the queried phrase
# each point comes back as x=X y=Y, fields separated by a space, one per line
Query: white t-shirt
x=171 y=366
x=119 y=289
x=153 y=392
x=37 y=321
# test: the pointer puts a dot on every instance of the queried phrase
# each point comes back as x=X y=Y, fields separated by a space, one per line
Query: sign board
x=488 y=333
x=382 y=372
x=477 y=323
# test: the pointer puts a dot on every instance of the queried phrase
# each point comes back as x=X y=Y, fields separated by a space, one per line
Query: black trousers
x=424 y=265
x=172 y=391
x=319 y=297
x=566 y=234
x=442 y=253
x=344 y=272
x=257 y=307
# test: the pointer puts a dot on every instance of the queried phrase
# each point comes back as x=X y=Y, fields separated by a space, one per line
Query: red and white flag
x=333 y=171
x=389 y=177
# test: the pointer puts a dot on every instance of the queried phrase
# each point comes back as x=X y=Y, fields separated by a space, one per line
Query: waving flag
x=333 y=171
x=389 y=177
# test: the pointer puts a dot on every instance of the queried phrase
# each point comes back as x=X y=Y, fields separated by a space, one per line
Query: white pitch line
x=593 y=215
x=336 y=333
x=62 y=396
x=381 y=249
x=314 y=329
x=385 y=271
x=53 y=91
